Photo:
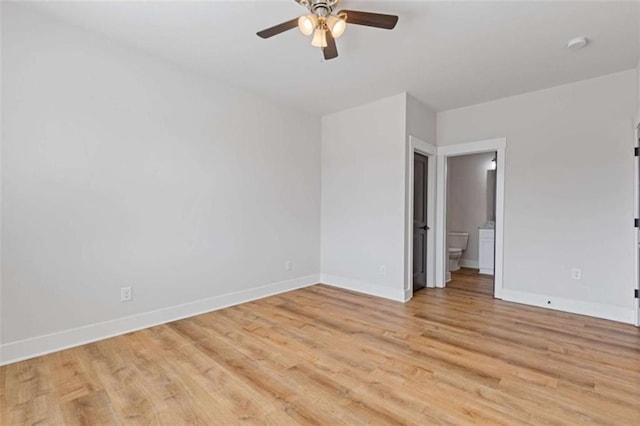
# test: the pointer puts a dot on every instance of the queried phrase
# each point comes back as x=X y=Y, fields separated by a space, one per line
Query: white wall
x=421 y=120
x=420 y=124
x=467 y=204
x=1 y=115
x=569 y=195
x=363 y=157
x=120 y=169
x=364 y=152
x=637 y=118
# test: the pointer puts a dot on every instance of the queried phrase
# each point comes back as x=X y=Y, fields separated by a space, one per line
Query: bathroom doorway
x=482 y=239
x=470 y=221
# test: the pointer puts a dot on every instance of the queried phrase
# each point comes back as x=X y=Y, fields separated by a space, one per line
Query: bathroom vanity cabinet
x=486 y=250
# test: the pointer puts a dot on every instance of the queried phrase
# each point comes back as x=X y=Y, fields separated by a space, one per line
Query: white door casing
x=441 y=253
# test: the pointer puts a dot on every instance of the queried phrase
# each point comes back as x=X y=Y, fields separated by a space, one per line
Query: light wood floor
x=326 y=356
x=468 y=280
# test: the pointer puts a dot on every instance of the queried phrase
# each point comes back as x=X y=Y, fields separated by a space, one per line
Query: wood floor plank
x=90 y=409
x=322 y=355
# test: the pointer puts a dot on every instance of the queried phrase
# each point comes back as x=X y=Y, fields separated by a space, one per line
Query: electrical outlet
x=288 y=265
x=125 y=294
x=576 y=274
x=383 y=270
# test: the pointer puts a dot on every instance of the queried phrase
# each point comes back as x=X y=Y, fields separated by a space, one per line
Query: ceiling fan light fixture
x=337 y=25
x=325 y=26
x=319 y=38
x=307 y=23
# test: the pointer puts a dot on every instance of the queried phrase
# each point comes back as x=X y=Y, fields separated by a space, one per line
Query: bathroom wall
x=467 y=201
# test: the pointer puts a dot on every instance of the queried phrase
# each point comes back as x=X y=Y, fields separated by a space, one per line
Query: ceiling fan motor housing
x=321 y=8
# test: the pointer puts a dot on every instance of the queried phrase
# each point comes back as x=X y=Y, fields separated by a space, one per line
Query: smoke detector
x=577 y=43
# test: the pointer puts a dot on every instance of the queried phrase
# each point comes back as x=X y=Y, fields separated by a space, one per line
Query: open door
x=637 y=226
x=420 y=228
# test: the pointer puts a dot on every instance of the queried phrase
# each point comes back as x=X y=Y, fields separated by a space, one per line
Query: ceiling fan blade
x=331 y=51
x=378 y=20
x=280 y=28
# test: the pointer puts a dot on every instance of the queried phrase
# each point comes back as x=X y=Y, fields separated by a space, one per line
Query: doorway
x=420 y=227
x=442 y=250
x=637 y=225
x=470 y=222
x=419 y=235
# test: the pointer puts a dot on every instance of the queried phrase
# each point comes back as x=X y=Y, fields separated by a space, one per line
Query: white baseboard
x=364 y=287
x=598 y=310
x=469 y=263
x=29 y=348
x=408 y=294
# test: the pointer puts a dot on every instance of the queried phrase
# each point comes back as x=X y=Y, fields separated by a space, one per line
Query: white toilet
x=457 y=244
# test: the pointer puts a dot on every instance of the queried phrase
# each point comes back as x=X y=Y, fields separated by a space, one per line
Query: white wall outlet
x=383 y=270
x=576 y=274
x=288 y=265
x=125 y=294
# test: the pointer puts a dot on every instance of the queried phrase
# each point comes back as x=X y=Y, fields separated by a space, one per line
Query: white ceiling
x=447 y=54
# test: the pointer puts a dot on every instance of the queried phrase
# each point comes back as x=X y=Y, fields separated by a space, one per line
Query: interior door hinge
x=636 y=223
x=635 y=294
x=636 y=152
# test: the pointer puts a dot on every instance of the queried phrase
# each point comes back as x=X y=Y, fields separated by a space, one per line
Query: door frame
x=636 y=214
x=415 y=144
x=497 y=145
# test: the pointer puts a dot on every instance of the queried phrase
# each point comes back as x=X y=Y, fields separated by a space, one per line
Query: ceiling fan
x=327 y=25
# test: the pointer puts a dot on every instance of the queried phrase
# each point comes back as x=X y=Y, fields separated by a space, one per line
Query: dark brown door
x=420 y=227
